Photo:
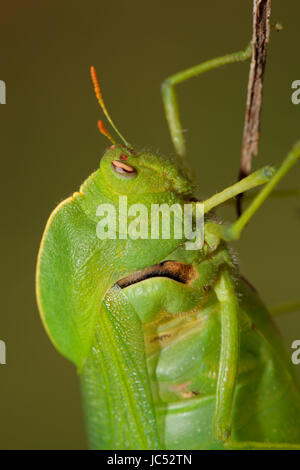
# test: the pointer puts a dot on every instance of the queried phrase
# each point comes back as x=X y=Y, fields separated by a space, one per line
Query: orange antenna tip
x=96 y=86
x=105 y=132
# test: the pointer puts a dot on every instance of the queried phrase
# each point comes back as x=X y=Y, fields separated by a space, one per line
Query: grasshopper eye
x=124 y=169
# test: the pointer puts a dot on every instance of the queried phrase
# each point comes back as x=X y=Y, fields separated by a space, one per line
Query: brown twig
x=260 y=39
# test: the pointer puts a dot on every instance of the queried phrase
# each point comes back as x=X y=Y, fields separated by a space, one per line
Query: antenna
x=99 y=97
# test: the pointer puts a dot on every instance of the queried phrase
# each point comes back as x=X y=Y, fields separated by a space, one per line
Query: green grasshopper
x=174 y=348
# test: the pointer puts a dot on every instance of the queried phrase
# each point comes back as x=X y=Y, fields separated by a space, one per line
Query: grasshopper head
x=128 y=172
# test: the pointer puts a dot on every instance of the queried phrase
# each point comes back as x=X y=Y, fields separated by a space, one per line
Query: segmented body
x=182 y=342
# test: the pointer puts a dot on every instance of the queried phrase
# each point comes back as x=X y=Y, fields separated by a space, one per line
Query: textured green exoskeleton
x=175 y=350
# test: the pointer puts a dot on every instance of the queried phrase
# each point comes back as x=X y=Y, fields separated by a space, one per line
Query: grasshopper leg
x=234 y=231
x=266 y=176
x=169 y=95
x=229 y=356
x=228 y=370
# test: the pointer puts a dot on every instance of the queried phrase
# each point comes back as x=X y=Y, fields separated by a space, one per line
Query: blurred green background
x=49 y=144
